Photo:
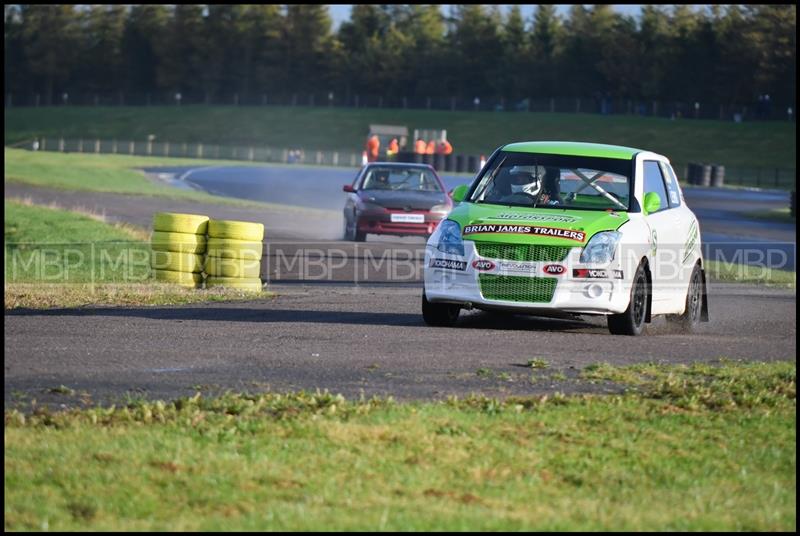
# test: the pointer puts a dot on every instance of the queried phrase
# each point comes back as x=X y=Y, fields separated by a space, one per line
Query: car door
x=667 y=240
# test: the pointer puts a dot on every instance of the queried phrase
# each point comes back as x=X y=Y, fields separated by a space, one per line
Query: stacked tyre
x=178 y=246
x=233 y=256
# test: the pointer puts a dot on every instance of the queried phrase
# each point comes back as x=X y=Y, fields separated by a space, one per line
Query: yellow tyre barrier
x=219 y=266
x=177 y=262
x=185 y=279
x=237 y=230
x=179 y=242
x=172 y=222
x=241 y=283
x=236 y=249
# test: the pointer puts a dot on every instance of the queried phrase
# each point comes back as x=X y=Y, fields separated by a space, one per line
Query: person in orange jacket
x=431 y=147
x=444 y=147
x=393 y=148
x=419 y=146
x=373 y=148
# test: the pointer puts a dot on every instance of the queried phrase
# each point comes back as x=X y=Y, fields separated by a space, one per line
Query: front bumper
x=456 y=279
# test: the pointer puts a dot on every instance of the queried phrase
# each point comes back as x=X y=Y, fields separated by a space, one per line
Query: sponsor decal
x=654 y=242
x=449 y=264
x=516 y=266
x=533 y=217
x=555 y=269
x=690 y=242
x=483 y=265
x=590 y=273
x=554 y=232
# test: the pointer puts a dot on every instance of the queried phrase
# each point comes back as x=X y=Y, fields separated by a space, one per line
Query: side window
x=654 y=182
x=672 y=185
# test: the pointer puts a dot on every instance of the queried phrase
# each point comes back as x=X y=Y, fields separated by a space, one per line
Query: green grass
x=779 y=215
x=58 y=258
x=114 y=174
x=45 y=245
x=755 y=144
x=743 y=273
x=692 y=449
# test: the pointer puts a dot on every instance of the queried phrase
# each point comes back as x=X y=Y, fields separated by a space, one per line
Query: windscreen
x=400 y=178
x=555 y=181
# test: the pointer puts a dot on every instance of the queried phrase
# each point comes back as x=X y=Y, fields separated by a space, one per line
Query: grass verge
x=710 y=448
x=116 y=174
x=780 y=215
x=57 y=258
x=49 y=296
x=743 y=273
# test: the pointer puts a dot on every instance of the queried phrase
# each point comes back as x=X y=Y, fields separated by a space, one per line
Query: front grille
x=517 y=288
x=522 y=252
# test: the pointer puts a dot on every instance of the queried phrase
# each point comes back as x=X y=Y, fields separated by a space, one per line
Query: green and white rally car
x=554 y=228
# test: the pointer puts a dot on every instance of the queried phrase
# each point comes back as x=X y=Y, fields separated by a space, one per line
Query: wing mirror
x=652 y=202
x=459 y=193
x=348 y=188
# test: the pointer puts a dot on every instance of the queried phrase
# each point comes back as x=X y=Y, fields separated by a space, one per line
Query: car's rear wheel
x=631 y=322
x=439 y=314
x=690 y=318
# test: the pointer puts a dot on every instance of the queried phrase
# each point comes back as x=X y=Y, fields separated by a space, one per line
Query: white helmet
x=526 y=180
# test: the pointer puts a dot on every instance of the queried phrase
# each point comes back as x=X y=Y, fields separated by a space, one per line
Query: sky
x=341 y=12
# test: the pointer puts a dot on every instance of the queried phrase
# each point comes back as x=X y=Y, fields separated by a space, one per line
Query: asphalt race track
x=350 y=322
x=357 y=340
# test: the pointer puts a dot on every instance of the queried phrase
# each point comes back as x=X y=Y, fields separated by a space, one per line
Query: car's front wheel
x=631 y=322
x=351 y=231
x=439 y=314
x=690 y=318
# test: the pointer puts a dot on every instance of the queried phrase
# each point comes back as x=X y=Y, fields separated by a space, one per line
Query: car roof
x=399 y=164
x=573 y=148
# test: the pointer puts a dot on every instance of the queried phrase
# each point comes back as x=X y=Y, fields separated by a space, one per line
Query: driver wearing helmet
x=551 y=186
x=538 y=182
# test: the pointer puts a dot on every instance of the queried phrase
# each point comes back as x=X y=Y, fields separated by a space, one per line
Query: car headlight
x=450 y=238
x=441 y=209
x=601 y=248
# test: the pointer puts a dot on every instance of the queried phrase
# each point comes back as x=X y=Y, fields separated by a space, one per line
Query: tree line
x=730 y=55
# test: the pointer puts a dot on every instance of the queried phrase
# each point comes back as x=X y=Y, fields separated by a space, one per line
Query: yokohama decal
x=449 y=264
x=578 y=236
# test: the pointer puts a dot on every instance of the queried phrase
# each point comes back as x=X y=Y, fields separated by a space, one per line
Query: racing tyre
x=439 y=314
x=185 y=279
x=351 y=231
x=690 y=318
x=237 y=230
x=631 y=322
x=180 y=223
x=177 y=262
x=178 y=242
x=219 y=266
x=240 y=283
x=235 y=249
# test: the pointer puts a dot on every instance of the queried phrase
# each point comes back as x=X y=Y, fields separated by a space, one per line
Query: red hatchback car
x=394 y=199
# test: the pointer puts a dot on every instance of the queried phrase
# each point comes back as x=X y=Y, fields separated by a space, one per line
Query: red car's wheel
x=351 y=231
